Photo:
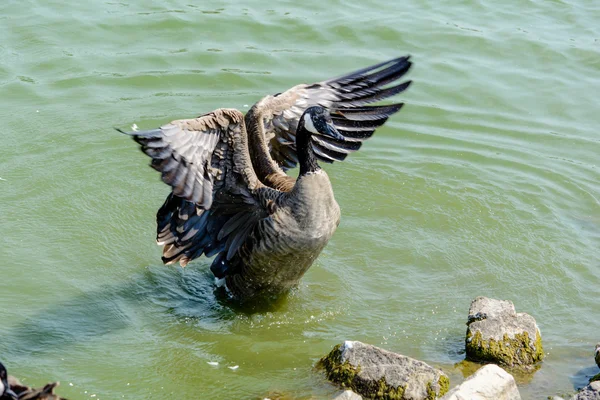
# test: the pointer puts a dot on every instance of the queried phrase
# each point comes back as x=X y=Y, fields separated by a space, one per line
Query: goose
x=44 y=393
x=264 y=239
x=5 y=391
x=272 y=121
x=230 y=195
x=12 y=389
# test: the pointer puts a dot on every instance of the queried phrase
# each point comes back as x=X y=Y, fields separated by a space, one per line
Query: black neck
x=306 y=155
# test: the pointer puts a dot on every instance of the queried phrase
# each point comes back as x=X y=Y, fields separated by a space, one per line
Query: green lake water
x=486 y=183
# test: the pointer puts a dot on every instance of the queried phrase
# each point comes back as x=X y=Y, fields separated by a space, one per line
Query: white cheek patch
x=1 y=388
x=308 y=124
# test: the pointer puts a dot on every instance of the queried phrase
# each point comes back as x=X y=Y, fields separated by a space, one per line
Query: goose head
x=314 y=121
x=5 y=390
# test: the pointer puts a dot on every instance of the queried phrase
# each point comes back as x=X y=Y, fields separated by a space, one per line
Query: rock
x=347 y=395
x=590 y=392
x=498 y=334
x=522 y=375
x=379 y=374
x=597 y=355
x=487 y=383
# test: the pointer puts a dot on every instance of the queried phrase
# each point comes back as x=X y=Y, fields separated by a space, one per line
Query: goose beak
x=332 y=131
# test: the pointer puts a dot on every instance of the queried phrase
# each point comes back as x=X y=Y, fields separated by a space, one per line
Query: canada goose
x=5 y=391
x=229 y=194
x=264 y=239
x=272 y=121
x=11 y=388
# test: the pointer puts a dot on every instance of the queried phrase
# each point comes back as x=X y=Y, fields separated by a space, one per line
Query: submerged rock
x=277 y=395
x=497 y=333
x=590 y=392
x=488 y=383
x=375 y=373
x=523 y=376
x=347 y=395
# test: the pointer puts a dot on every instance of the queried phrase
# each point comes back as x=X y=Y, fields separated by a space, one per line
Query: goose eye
x=308 y=124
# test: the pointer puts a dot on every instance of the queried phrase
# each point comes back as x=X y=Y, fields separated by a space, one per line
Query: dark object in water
x=12 y=389
x=5 y=390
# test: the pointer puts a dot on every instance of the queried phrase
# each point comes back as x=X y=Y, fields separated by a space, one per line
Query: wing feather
x=347 y=97
x=216 y=198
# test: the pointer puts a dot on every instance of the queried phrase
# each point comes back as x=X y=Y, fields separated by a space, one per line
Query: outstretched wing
x=196 y=157
x=45 y=393
x=347 y=98
x=216 y=199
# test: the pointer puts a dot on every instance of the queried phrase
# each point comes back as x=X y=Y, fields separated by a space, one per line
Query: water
x=486 y=183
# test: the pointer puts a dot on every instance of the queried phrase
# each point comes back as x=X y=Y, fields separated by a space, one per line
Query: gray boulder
x=590 y=392
x=375 y=373
x=487 y=383
x=347 y=395
x=497 y=333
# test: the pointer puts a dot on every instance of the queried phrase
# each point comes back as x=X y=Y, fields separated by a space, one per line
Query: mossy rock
x=497 y=334
x=516 y=351
x=375 y=373
x=595 y=378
